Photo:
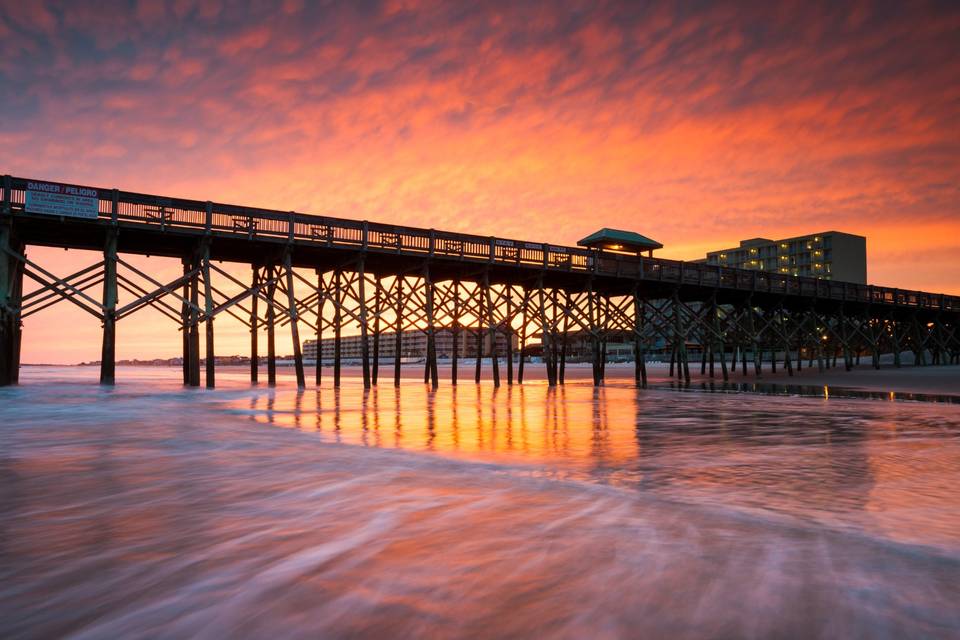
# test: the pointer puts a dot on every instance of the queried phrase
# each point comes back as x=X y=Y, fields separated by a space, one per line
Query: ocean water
x=150 y=510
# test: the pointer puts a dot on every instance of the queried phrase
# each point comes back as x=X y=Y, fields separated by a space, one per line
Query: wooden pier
x=379 y=278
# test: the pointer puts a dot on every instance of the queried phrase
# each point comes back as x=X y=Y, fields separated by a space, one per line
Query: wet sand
x=936 y=380
x=932 y=380
x=927 y=380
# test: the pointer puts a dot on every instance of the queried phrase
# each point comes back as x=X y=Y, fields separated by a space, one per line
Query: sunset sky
x=695 y=126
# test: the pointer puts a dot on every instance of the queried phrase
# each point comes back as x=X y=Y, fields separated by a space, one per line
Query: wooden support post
x=398 y=336
x=208 y=316
x=426 y=360
x=919 y=355
x=786 y=344
x=375 y=373
x=639 y=358
x=896 y=335
x=321 y=303
x=723 y=356
x=480 y=316
x=754 y=341
x=337 y=322
x=718 y=336
x=185 y=322
x=456 y=333
x=546 y=334
x=603 y=355
x=491 y=330
x=271 y=326
x=194 y=322
x=819 y=340
x=16 y=298
x=108 y=351
x=594 y=311
x=703 y=352
x=844 y=336
x=508 y=334
x=604 y=333
x=682 y=357
x=294 y=324
x=431 y=335
x=254 y=326
x=9 y=304
x=711 y=340
x=364 y=344
x=554 y=334
x=563 y=341
x=524 y=318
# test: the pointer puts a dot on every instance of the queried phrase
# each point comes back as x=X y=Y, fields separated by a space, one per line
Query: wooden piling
x=456 y=333
x=321 y=303
x=208 y=317
x=594 y=313
x=431 y=336
x=364 y=344
x=639 y=358
x=508 y=334
x=375 y=373
x=254 y=325
x=398 y=335
x=545 y=331
x=338 y=297
x=491 y=330
x=16 y=299
x=9 y=320
x=108 y=351
x=480 y=317
x=194 y=322
x=294 y=324
x=524 y=319
x=683 y=361
x=561 y=374
x=271 y=326
x=185 y=321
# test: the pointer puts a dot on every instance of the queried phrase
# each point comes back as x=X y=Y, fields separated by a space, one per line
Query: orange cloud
x=696 y=127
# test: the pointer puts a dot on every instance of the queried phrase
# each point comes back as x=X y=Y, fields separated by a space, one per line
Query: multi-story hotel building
x=413 y=344
x=830 y=255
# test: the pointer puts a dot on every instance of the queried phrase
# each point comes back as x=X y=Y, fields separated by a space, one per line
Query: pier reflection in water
x=809 y=457
x=153 y=510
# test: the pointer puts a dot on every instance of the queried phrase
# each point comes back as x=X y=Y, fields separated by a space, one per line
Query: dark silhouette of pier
x=386 y=279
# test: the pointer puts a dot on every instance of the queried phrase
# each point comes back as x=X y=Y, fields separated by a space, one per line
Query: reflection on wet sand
x=751 y=452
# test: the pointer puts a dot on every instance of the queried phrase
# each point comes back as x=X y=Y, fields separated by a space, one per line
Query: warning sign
x=56 y=199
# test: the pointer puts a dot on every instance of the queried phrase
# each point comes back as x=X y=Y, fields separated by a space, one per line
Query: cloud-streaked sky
x=697 y=124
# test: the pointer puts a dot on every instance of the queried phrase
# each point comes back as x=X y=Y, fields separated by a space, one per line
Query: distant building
x=829 y=255
x=579 y=346
x=413 y=344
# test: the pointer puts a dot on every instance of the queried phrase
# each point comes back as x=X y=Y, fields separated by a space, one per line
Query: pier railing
x=270 y=225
